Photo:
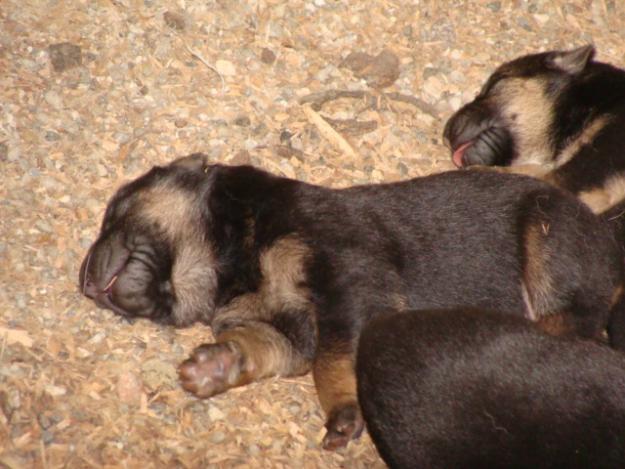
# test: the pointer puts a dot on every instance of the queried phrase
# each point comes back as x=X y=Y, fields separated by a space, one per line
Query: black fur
x=471 y=389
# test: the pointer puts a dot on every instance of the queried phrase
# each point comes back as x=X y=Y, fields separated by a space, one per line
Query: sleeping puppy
x=467 y=388
x=287 y=273
x=558 y=115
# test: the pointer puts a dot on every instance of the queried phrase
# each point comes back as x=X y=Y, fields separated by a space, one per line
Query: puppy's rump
x=459 y=388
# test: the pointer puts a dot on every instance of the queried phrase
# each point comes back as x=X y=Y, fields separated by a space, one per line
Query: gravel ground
x=93 y=93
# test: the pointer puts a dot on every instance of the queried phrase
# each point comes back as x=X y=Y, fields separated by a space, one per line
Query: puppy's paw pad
x=211 y=369
x=344 y=425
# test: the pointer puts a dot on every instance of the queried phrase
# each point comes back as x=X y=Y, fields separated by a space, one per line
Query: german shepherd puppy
x=467 y=388
x=557 y=114
x=287 y=273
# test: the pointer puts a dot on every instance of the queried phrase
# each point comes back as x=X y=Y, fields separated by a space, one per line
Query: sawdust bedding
x=92 y=93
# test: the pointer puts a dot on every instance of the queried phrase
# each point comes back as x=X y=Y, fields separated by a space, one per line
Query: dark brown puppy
x=462 y=388
x=558 y=115
x=287 y=273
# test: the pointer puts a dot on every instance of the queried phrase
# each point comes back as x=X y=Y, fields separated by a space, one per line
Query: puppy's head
x=511 y=120
x=153 y=257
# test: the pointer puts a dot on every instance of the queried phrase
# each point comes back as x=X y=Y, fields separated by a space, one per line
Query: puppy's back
x=475 y=389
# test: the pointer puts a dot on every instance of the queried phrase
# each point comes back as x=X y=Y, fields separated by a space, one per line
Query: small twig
x=352 y=126
x=414 y=101
x=328 y=132
x=198 y=56
x=5 y=340
x=44 y=459
x=317 y=100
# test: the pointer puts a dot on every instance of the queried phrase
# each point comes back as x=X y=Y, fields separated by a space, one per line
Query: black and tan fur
x=558 y=115
x=466 y=388
x=287 y=273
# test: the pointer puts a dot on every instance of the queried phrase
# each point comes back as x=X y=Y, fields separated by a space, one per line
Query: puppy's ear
x=572 y=61
x=193 y=162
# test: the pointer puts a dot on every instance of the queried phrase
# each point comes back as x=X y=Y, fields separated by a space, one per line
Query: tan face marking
x=194 y=271
x=194 y=283
x=528 y=113
x=170 y=208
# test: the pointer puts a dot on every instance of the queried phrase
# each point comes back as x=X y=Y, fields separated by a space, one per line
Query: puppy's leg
x=242 y=354
x=335 y=380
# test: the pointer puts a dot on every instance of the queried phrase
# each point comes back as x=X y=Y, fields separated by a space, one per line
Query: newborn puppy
x=558 y=115
x=287 y=273
x=467 y=388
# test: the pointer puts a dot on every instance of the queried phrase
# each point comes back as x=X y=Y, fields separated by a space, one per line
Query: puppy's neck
x=249 y=210
x=597 y=93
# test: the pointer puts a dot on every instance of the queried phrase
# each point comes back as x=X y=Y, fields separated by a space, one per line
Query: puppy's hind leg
x=567 y=284
x=335 y=380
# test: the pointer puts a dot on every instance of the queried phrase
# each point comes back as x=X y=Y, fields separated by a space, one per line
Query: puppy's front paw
x=211 y=369
x=344 y=424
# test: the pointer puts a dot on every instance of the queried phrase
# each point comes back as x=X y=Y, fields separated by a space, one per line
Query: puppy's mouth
x=103 y=295
x=490 y=146
x=458 y=154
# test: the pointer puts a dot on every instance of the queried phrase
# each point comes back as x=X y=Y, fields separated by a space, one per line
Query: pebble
x=217 y=437
x=157 y=374
x=214 y=413
x=51 y=136
x=378 y=71
x=242 y=121
x=129 y=388
x=55 y=391
x=174 y=20
x=4 y=151
x=494 y=6
x=521 y=21
x=53 y=99
x=267 y=56
x=64 y=55
x=225 y=68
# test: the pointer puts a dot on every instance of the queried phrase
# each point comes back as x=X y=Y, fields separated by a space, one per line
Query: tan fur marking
x=556 y=324
x=266 y=351
x=398 y=302
x=335 y=380
x=539 y=171
x=602 y=198
x=194 y=282
x=537 y=283
x=282 y=266
x=616 y=295
x=282 y=287
x=247 y=307
x=171 y=209
x=193 y=276
x=529 y=113
x=586 y=136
